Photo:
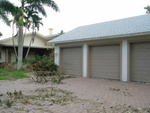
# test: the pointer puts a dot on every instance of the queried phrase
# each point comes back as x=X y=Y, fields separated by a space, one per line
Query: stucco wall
x=38 y=42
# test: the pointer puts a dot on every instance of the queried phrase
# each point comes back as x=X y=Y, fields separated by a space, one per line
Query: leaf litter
x=41 y=98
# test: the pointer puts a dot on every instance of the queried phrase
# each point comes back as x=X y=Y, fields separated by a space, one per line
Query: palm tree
x=26 y=16
x=147 y=8
x=3 y=16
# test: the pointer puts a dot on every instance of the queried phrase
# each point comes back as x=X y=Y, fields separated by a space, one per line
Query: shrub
x=44 y=63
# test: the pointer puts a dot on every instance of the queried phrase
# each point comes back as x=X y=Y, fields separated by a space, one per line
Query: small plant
x=1 y=102
x=8 y=103
x=114 y=89
x=57 y=78
x=15 y=94
x=18 y=94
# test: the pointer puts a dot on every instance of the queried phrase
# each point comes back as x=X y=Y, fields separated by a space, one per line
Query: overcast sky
x=74 y=13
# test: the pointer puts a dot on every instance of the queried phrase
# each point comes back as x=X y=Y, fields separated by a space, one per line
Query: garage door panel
x=71 y=61
x=105 y=61
x=140 y=62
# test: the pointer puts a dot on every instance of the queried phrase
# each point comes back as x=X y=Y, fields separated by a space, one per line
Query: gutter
x=99 y=38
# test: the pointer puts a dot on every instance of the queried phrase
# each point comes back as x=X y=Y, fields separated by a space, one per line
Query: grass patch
x=11 y=74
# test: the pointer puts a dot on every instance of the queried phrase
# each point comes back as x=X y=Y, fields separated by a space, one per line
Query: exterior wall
x=125 y=52
x=31 y=55
x=2 y=53
x=7 y=51
x=38 y=42
x=11 y=58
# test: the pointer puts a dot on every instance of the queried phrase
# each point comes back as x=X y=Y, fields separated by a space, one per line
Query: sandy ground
x=75 y=95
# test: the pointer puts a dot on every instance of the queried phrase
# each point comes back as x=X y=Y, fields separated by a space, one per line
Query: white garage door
x=105 y=61
x=71 y=61
x=140 y=62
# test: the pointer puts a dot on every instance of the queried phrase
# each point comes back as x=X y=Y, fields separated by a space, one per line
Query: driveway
x=105 y=94
x=92 y=96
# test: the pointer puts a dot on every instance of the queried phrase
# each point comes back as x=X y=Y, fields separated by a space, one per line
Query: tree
x=3 y=16
x=25 y=16
x=1 y=34
x=147 y=8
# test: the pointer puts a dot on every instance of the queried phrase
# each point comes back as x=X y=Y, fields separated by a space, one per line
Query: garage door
x=140 y=62
x=71 y=61
x=105 y=61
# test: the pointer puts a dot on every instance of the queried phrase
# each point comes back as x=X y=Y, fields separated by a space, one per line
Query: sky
x=75 y=13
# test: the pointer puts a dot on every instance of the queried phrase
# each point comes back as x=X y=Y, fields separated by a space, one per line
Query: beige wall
x=38 y=42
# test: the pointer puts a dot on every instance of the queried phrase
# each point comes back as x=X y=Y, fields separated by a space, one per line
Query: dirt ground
x=74 y=95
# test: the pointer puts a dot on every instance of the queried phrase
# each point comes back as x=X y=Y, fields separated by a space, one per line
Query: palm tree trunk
x=20 y=49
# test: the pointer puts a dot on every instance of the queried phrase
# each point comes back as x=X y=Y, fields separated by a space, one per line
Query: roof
x=48 y=37
x=110 y=29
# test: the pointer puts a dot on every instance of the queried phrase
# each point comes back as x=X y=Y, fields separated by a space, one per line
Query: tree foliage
x=25 y=16
x=147 y=9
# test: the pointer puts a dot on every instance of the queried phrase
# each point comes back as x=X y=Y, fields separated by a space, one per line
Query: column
x=85 y=60
x=57 y=54
x=125 y=61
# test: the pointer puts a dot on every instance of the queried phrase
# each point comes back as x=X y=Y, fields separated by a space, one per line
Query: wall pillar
x=85 y=60
x=125 y=61
x=6 y=55
x=57 y=55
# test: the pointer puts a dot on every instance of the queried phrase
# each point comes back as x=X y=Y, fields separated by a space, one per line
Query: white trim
x=85 y=60
x=57 y=55
x=125 y=60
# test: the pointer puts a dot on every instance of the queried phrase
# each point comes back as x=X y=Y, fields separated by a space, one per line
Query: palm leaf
x=7 y=6
x=3 y=16
x=148 y=9
x=49 y=3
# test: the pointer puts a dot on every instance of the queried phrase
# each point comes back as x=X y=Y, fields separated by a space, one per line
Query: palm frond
x=49 y=3
x=4 y=17
x=35 y=8
x=148 y=9
x=41 y=9
x=7 y=6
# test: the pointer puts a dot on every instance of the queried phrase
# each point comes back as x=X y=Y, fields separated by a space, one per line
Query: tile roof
x=115 y=28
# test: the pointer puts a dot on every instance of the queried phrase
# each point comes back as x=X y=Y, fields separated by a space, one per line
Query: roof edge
x=100 y=38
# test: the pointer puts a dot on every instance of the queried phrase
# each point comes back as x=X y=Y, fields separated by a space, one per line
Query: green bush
x=44 y=63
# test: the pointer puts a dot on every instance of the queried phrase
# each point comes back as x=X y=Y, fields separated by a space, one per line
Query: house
x=118 y=49
x=38 y=47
